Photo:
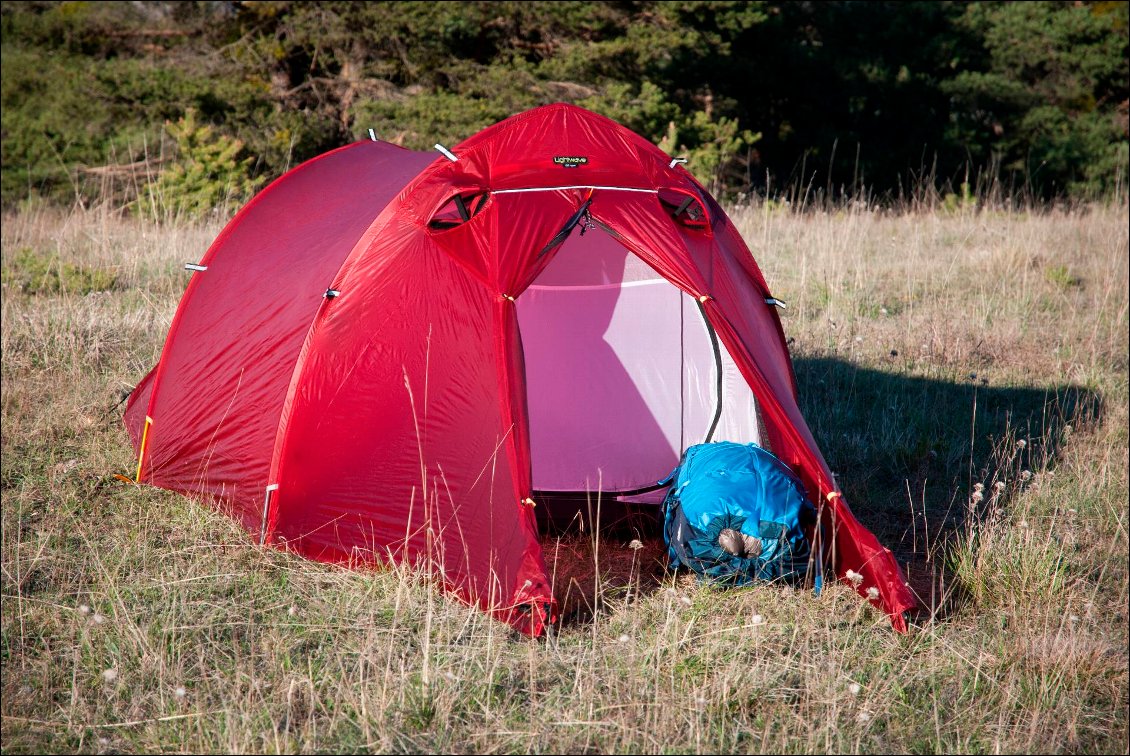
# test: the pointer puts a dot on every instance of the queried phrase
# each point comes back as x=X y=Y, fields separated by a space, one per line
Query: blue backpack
x=736 y=513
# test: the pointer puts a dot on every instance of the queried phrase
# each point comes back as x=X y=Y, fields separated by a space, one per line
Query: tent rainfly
x=391 y=354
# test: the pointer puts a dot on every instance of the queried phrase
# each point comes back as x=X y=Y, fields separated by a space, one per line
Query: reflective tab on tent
x=446 y=152
x=776 y=302
x=331 y=293
x=194 y=266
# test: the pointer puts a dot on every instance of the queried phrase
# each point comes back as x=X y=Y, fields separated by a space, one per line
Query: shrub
x=209 y=173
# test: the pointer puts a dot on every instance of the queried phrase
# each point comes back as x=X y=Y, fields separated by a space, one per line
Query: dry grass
x=135 y=620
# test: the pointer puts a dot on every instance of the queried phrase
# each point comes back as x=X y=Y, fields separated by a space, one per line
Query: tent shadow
x=907 y=452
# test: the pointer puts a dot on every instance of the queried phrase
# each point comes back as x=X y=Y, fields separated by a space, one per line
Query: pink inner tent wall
x=620 y=372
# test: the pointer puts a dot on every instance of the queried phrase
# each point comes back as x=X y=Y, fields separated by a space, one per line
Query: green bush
x=762 y=97
x=33 y=273
x=209 y=173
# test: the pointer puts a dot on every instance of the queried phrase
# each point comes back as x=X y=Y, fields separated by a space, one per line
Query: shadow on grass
x=907 y=452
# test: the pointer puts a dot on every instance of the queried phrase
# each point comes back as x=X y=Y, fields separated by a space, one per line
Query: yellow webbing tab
x=141 y=451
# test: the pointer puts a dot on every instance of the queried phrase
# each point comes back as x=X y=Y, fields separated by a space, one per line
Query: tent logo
x=570 y=161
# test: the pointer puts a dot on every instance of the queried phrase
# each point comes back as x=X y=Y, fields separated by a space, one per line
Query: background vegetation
x=1027 y=99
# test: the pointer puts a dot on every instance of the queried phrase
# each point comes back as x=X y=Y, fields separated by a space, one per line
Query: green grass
x=137 y=620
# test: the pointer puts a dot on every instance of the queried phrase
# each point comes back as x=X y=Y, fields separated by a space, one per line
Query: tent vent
x=446 y=152
x=676 y=161
x=776 y=302
x=685 y=208
x=194 y=266
x=331 y=293
x=458 y=210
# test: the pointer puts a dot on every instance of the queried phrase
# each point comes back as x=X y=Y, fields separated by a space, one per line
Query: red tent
x=388 y=355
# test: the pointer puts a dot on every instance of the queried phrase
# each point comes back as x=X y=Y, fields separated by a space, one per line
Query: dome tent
x=388 y=355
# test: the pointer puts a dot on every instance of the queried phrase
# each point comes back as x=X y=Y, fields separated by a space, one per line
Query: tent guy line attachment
x=776 y=302
x=331 y=293
x=194 y=266
x=576 y=186
x=372 y=135
x=446 y=152
x=676 y=161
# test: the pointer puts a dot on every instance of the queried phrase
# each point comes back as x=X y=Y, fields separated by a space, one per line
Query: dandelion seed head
x=854 y=577
x=685 y=600
x=624 y=638
x=978 y=486
x=635 y=545
x=180 y=692
x=109 y=675
x=863 y=716
x=873 y=593
x=98 y=619
x=1026 y=475
x=83 y=609
x=855 y=688
x=757 y=619
x=977 y=496
x=1021 y=444
x=999 y=485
